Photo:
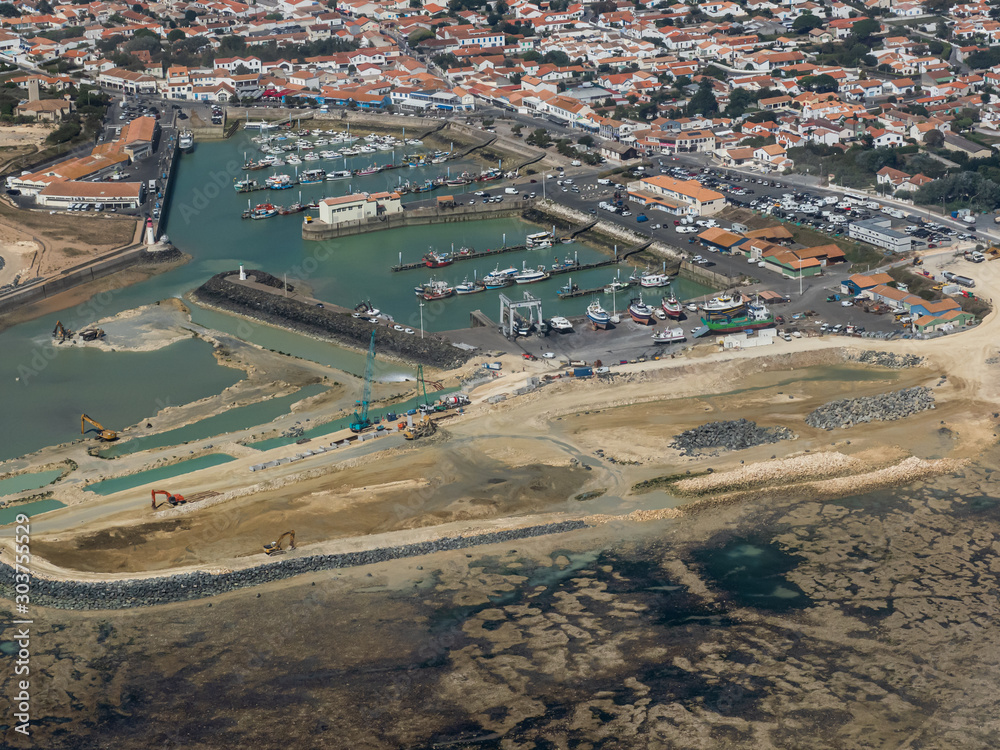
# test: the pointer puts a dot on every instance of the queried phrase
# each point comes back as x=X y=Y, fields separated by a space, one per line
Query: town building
x=676 y=196
x=358 y=207
x=878 y=232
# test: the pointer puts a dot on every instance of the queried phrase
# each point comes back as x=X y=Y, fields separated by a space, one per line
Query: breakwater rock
x=885 y=407
x=886 y=359
x=145 y=592
x=320 y=321
x=733 y=435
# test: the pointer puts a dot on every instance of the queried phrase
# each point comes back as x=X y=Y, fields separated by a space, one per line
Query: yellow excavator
x=275 y=548
x=104 y=434
x=424 y=427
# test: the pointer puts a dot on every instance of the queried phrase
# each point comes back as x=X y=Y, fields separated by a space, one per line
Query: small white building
x=358 y=207
x=763 y=337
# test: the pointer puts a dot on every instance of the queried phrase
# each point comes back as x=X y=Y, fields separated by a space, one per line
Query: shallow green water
x=240 y=418
x=110 y=486
x=117 y=389
x=9 y=515
x=22 y=482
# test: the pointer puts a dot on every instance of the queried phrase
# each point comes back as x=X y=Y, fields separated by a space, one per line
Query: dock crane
x=360 y=420
x=422 y=383
x=275 y=547
x=108 y=435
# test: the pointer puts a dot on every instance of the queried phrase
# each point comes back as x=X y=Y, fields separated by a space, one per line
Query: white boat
x=530 y=276
x=597 y=315
x=654 y=279
x=560 y=323
x=342 y=174
x=539 y=239
x=668 y=336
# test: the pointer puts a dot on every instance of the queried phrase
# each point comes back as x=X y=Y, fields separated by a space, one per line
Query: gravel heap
x=887 y=359
x=885 y=407
x=182 y=587
x=321 y=321
x=733 y=435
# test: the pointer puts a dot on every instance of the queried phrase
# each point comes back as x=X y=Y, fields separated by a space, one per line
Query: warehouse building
x=358 y=207
x=878 y=232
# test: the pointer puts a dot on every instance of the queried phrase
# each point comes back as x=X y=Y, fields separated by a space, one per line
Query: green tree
x=864 y=30
x=190 y=16
x=934 y=139
x=820 y=84
x=7 y=10
x=703 y=102
x=586 y=140
x=806 y=23
x=175 y=35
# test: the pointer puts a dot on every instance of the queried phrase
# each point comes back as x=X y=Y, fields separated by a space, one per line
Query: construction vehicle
x=92 y=334
x=103 y=433
x=360 y=420
x=422 y=428
x=174 y=500
x=61 y=332
x=275 y=548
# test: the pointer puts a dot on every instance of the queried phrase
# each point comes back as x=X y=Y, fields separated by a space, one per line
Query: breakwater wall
x=288 y=312
x=145 y=592
x=415 y=217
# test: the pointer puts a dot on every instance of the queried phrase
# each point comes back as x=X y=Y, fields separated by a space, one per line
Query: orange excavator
x=274 y=548
x=173 y=500
x=108 y=435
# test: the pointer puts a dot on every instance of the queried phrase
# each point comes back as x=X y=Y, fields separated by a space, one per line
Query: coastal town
x=602 y=375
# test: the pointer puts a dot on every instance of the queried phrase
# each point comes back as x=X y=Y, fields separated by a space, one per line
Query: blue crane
x=361 y=421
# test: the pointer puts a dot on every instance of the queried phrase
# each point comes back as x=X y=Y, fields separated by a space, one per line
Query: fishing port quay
x=640 y=400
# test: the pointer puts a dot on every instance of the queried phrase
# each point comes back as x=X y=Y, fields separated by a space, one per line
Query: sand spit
x=143 y=329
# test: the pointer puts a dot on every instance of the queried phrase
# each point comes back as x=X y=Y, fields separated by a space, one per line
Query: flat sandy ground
x=64 y=240
x=24 y=135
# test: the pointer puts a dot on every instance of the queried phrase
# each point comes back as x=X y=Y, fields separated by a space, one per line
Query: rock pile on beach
x=145 y=592
x=885 y=407
x=887 y=359
x=733 y=435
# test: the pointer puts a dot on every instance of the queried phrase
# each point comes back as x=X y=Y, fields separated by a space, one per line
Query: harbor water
x=127 y=482
x=46 y=387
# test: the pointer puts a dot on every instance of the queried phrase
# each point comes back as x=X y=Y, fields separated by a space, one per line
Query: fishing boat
x=654 y=279
x=252 y=165
x=724 y=306
x=560 y=324
x=598 y=316
x=261 y=211
x=615 y=286
x=185 y=142
x=640 y=312
x=437 y=260
x=373 y=169
x=669 y=336
x=437 y=290
x=340 y=174
x=279 y=182
x=539 y=239
x=754 y=316
x=292 y=209
x=312 y=176
x=527 y=276
x=247 y=185
x=498 y=279
x=470 y=287
x=672 y=307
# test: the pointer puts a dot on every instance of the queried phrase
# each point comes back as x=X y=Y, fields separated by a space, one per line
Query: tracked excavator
x=104 y=434
x=61 y=332
x=275 y=548
x=173 y=500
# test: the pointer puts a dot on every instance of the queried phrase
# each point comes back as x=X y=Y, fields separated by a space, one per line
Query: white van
x=576 y=163
x=606 y=181
x=510 y=190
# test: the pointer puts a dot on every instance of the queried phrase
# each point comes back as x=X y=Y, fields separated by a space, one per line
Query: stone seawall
x=272 y=307
x=145 y=592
